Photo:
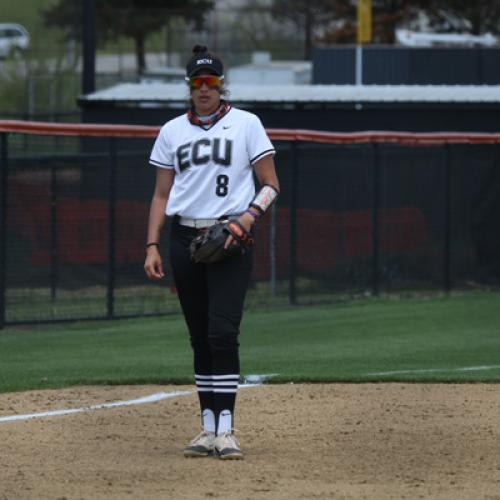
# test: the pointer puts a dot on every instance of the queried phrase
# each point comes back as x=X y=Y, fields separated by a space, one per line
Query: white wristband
x=265 y=198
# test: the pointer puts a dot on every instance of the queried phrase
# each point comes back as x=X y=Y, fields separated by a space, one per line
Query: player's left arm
x=265 y=171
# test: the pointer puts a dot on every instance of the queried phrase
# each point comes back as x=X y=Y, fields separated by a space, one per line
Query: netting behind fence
x=359 y=213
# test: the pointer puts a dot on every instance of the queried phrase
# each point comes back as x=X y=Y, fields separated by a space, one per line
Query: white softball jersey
x=213 y=168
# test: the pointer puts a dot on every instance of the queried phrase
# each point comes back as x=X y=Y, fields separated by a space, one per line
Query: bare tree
x=334 y=21
x=475 y=17
x=308 y=16
x=387 y=15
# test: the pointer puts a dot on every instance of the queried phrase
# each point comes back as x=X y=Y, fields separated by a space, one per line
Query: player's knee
x=223 y=332
x=223 y=340
x=199 y=344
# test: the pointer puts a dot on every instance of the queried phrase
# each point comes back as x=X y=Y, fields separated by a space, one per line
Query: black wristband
x=152 y=245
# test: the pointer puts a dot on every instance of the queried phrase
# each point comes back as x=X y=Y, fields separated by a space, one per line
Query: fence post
x=272 y=249
x=4 y=172
x=54 y=256
x=89 y=43
x=110 y=302
x=447 y=221
x=375 y=220
x=292 y=290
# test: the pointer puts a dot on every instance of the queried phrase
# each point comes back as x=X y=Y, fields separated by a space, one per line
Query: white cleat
x=227 y=447
x=201 y=446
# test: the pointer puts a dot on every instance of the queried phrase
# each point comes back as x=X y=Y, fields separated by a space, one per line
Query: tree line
x=314 y=21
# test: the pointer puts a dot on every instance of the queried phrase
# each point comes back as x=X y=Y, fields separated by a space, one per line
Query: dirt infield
x=366 y=441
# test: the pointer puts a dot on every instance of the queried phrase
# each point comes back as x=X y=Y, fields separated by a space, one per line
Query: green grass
x=343 y=342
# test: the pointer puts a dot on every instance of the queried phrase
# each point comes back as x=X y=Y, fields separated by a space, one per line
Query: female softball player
x=205 y=160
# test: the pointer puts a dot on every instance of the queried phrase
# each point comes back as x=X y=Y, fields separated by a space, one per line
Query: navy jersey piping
x=260 y=155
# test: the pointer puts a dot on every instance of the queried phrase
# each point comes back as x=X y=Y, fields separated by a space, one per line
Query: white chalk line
x=152 y=398
x=437 y=370
x=159 y=396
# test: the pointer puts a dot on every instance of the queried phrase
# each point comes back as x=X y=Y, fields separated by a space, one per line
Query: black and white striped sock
x=204 y=383
x=225 y=384
x=217 y=395
x=225 y=389
x=205 y=391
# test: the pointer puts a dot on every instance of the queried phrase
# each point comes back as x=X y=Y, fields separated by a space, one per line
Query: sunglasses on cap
x=211 y=81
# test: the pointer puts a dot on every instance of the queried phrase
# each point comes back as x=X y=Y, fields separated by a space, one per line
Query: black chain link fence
x=353 y=219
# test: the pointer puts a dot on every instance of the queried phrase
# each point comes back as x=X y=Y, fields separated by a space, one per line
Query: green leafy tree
x=135 y=19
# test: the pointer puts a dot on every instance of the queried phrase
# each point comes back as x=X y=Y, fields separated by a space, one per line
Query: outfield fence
x=359 y=214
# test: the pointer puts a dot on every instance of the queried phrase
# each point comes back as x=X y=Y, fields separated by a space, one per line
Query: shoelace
x=230 y=436
x=201 y=435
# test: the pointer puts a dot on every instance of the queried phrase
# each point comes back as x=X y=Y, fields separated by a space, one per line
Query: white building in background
x=264 y=71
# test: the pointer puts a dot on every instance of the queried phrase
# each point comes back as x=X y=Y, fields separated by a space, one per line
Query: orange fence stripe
x=144 y=131
x=78 y=129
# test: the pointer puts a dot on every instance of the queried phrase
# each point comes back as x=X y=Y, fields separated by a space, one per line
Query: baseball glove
x=208 y=246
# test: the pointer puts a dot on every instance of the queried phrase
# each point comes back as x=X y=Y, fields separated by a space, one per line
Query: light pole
x=88 y=75
x=364 y=35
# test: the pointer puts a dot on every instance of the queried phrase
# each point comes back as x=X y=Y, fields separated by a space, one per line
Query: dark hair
x=199 y=48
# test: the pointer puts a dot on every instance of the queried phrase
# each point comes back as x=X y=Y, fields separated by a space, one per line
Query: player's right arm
x=164 y=180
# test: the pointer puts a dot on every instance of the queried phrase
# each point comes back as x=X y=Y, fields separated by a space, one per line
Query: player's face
x=205 y=93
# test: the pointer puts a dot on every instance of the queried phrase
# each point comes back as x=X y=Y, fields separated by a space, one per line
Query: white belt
x=198 y=223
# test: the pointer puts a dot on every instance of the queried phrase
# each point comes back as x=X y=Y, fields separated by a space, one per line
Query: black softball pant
x=212 y=298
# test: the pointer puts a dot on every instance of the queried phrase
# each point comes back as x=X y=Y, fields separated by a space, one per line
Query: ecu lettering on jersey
x=203 y=151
